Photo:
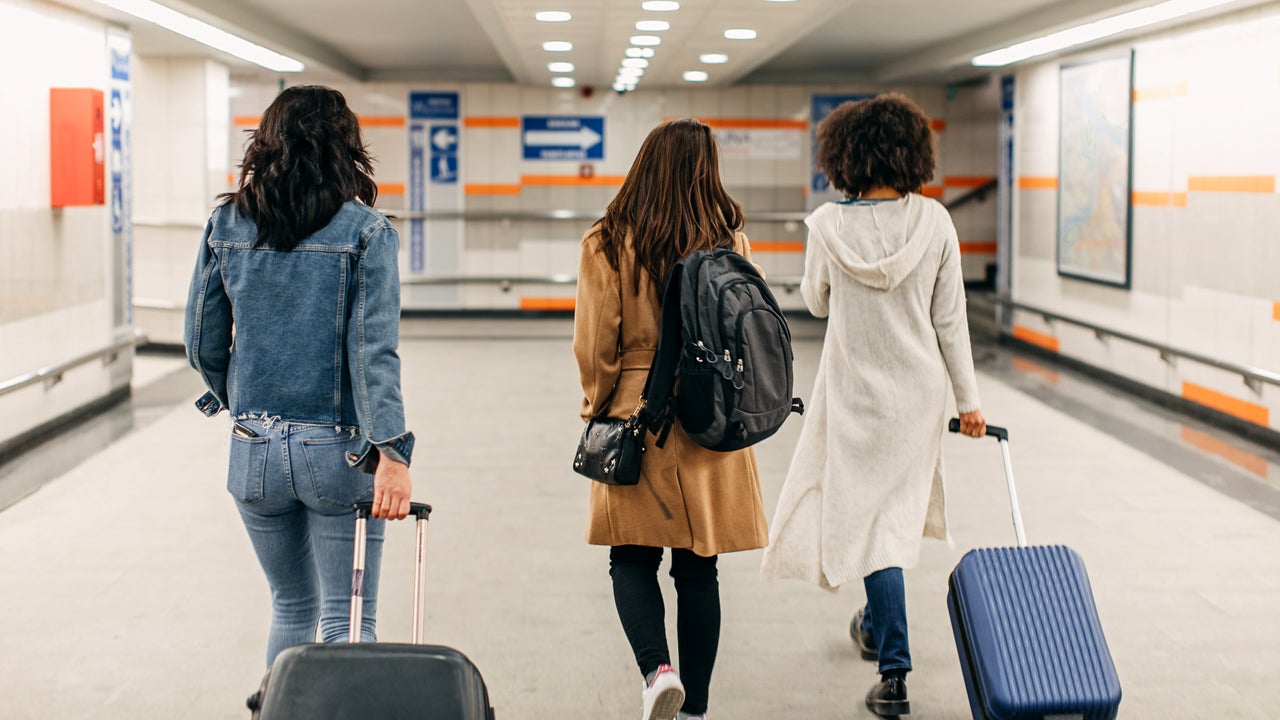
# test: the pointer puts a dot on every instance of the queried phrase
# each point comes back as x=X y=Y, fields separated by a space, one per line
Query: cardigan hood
x=877 y=244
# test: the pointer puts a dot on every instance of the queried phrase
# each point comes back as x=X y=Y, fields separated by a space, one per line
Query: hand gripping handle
x=364 y=511
x=1002 y=435
x=994 y=431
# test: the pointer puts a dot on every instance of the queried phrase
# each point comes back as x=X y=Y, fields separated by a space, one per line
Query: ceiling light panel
x=600 y=32
x=713 y=58
x=563 y=82
x=740 y=34
x=557 y=46
x=560 y=67
x=206 y=34
x=653 y=26
x=553 y=16
x=695 y=76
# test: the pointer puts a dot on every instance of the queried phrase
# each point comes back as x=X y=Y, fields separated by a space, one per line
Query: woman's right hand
x=392 y=489
x=973 y=424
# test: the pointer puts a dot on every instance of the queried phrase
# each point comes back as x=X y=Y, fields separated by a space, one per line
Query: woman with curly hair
x=293 y=321
x=865 y=483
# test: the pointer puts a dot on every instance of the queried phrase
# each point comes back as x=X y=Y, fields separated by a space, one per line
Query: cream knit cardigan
x=865 y=483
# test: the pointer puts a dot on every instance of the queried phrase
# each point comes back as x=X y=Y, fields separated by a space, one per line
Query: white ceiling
x=803 y=41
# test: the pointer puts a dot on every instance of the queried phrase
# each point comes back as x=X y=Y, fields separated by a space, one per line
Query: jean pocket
x=335 y=482
x=247 y=470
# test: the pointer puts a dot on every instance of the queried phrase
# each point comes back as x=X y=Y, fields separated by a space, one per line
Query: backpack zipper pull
x=739 y=365
x=727 y=357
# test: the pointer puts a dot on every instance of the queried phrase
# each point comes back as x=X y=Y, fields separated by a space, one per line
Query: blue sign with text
x=444 y=153
x=562 y=137
x=433 y=105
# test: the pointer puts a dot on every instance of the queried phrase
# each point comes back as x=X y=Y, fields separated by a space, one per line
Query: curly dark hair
x=305 y=159
x=881 y=142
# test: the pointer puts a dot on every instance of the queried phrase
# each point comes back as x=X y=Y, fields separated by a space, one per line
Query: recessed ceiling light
x=695 y=76
x=557 y=46
x=646 y=40
x=740 y=34
x=636 y=52
x=553 y=16
x=201 y=32
x=635 y=63
x=660 y=5
x=560 y=67
x=630 y=72
x=619 y=86
x=653 y=25
x=563 y=82
x=714 y=58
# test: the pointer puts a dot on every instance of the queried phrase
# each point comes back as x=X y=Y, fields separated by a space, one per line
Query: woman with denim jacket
x=292 y=321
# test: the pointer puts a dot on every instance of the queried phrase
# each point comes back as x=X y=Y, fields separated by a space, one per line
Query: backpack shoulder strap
x=660 y=384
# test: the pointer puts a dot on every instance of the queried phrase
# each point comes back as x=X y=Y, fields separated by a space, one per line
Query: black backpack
x=724 y=336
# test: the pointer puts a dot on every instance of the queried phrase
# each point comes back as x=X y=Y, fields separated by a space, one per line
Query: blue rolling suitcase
x=374 y=681
x=1027 y=629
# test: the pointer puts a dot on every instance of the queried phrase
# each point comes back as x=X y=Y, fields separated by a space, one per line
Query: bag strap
x=657 y=414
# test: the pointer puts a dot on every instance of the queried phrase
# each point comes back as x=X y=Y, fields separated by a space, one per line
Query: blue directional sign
x=562 y=137
x=433 y=105
x=822 y=107
x=444 y=153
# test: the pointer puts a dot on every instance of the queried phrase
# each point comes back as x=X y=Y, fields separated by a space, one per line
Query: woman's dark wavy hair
x=881 y=142
x=672 y=202
x=305 y=159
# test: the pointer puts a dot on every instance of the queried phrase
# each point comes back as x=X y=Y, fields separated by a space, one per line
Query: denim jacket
x=306 y=336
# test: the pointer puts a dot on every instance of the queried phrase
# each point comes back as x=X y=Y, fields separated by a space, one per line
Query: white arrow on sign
x=584 y=137
x=443 y=139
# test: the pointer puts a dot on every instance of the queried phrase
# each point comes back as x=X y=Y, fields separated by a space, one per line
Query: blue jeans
x=885 y=617
x=294 y=491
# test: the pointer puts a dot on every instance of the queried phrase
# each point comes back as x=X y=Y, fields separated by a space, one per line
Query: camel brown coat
x=688 y=497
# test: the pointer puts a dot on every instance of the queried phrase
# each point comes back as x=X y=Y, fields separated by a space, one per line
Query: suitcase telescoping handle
x=1002 y=435
x=364 y=511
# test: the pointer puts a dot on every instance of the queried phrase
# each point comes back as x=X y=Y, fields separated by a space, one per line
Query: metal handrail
x=53 y=374
x=1253 y=377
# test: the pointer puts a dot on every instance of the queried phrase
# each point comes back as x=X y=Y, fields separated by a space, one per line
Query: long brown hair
x=671 y=203
x=304 y=161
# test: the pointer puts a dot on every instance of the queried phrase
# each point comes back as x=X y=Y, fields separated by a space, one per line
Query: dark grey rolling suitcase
x=1027 y=631
x=378 y=681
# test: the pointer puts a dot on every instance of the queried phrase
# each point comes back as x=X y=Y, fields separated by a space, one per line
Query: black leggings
x=634 y=570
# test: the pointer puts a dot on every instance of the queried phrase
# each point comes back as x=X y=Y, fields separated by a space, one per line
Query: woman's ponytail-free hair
x=671 y=203
x=303 y=162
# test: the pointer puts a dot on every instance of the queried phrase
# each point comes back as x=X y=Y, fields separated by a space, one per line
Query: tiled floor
x=129 y=589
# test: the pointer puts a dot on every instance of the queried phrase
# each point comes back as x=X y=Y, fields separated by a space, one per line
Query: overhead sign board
x=433 y=105
x=562 y=137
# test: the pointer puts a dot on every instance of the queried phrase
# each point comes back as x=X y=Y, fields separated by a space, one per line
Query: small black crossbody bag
x=610 y=449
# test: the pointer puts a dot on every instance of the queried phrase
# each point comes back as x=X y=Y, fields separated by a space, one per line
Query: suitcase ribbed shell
x=1029 y=637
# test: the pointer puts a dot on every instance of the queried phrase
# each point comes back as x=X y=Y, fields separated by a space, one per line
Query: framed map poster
x=1095 y=176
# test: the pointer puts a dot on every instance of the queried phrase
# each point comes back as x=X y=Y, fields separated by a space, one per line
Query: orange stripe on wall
x=1225 y=403
x=1275 y=311
x=966 y=181
x=1211 y=444
x=480 y=121
x=1160 y=199
x=937 y=125
x=1032 y=182
x=365 y=120
x=932 y=191
x=777 y=246
x=381 y=120
x=557 y=180
x=981 y=248
x=536 y=303
x=1039 y=339
x=1161 y=92
x=492 y=189
x=756 y=123
x=1232 y=183
x=391 y=188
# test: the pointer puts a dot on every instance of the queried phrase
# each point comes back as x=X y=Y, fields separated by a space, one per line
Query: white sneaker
x=664 y=696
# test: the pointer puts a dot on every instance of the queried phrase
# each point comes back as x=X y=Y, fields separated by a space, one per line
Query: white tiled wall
x=181 y=149
x=56 y=284
x=1204 y=267
x=492 y=156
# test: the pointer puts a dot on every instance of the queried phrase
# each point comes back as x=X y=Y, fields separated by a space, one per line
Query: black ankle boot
x=862 y=639
x=888 y=698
